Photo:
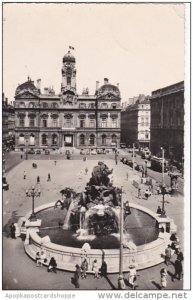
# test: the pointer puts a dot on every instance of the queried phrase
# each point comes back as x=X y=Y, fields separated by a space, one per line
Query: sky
x=139 y=46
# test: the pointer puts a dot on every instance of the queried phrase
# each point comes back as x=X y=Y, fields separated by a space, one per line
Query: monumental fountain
x=87 y=224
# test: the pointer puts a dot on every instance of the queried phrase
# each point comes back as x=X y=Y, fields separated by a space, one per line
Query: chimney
x=39 y=85
x=97 y=85
x=118 y=85
x=106 y=80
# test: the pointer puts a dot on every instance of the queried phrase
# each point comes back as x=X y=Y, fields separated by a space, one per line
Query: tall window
x=91 y=123
x=92 y=140
x=54 y=139
x=21 y=122
x=82 y=105
x=92 y=105
x=44 y=139
x=54 y=105
x=45 y=105
x=31 y=121
x=104 y=140
x=21 y=139
x=114 y=138
x=68 y=80
x=31 y=104
x=82 y=123
x=32 y=140
x=82 y=139
x=104 y=105
x=114 y=122
x=55 y=122
x=44 y=123
x=104 y=122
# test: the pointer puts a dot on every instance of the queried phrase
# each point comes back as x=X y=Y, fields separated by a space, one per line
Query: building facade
x=8 y=124
x=167 y=121
x=47 y=120
x=135 y=123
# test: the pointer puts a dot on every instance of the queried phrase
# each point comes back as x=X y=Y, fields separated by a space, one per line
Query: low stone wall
x=144 y=256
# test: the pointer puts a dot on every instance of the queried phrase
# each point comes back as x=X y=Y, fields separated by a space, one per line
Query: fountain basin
x=144 y=256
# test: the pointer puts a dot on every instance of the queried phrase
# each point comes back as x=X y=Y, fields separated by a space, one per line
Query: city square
x=95 y=147
x=17 y=205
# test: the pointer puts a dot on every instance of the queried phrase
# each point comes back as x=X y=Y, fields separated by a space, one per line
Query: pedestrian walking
x=147 y=194
x=139 y=193
x=121 y=283
x=43 y=258
x=127 y=176
x=84 y=268
x=38 y=263
x=103 y=269
x=127 y=209
x=178 y=270
x=21 y=156
x=77 y=275
x=24 y=175
x=95 y=269
x=55 y=162
x=168 y=255
x=132 y=275
x=49 y=177
x=12 y=231
x=38 y=179
x=52 y=265
x=159 y=210
x=163 y=280
x=180 y=255
x=86 y=170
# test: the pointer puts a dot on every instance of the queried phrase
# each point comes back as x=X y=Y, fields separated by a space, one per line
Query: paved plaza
x=20 y=272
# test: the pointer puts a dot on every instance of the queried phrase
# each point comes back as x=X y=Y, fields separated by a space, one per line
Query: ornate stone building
x=167 y=121
x=8 y=124
x=47 y=120
x=135 y=123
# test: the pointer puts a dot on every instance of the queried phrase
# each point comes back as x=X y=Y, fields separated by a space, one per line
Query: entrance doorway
x=68 y=140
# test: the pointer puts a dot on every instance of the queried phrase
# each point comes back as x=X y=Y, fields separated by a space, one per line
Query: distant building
x=167 y=121
x=8 y=123
x=46 y=120
x=135 y=123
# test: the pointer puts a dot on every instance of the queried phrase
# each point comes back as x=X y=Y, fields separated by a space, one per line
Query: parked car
x=5 y=184
x=93 y=152
x=122 y=145
x=31 y=151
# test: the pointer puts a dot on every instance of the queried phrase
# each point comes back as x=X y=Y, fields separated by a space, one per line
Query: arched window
x=114 y=122
x=31 y=121
x=44 y=139
x=114 y=105
x=22 y=104
x=54 y=105
x=32 y=140
x=114 y=138
x=21 y=121
x=31 y=104
x=45 y=105
x=104 y=140
x=92 y=140
x=104 y=105
x=54 y=139
x=82 y=105
x=55 y=121
x=92 y=123
x=82 y=139
x=104 y=122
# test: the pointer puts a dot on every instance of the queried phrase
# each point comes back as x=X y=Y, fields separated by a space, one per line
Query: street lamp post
x=121 y=239
x=145 y=168
x=33 y=193
x=133 y=156
x=26 y=149
x=163 y=190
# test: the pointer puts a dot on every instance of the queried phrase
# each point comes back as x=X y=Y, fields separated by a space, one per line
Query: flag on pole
x=70 y=47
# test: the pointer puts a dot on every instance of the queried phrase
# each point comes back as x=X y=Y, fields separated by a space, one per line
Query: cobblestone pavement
x=20 y=272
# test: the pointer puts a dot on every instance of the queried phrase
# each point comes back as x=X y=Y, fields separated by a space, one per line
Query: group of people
x=81 y=271
x=41 y=259
x=178 y=267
